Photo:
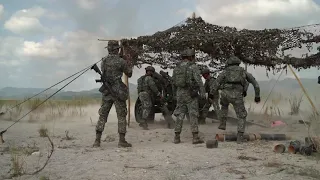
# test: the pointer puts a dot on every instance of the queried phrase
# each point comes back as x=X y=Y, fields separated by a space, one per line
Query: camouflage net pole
x=127 y=57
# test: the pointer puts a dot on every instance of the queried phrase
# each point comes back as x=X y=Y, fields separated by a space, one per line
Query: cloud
x=87 y=4
x=45 y=60
x=9 y=50
x=259 y=14
x=26 y=21
x=1 y=10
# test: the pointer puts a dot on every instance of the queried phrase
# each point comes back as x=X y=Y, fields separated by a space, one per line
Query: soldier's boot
x=98 y=139
x=223 y=125
x=122 y=141
x=177 y=138
x=240 y=138
x=144 y=125
x=196 y=139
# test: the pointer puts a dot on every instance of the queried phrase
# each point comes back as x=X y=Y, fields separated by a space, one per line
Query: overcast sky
x=43 y=41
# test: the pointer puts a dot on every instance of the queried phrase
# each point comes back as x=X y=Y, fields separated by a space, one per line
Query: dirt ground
x=153 y=155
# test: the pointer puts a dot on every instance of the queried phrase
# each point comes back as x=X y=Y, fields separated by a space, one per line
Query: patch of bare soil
x=153 y=155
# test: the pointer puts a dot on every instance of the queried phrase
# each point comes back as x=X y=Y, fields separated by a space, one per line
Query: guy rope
x=81 y=72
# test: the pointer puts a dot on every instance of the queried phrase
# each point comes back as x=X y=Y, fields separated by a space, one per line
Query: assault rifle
x=105 y=84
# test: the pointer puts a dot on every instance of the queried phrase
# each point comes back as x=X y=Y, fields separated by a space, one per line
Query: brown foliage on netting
x=215 y=44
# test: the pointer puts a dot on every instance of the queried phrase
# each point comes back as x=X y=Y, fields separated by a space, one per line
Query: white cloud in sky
x=61 y=54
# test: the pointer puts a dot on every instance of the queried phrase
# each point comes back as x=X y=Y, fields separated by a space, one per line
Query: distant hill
x=21 y=93
x=284 y=87
x=287 y=86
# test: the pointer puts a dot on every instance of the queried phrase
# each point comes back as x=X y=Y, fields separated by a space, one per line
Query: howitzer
x=166 y=113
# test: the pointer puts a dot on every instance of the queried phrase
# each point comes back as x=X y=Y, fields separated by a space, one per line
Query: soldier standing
x=147 y=90
x=212 y=99
x=188 y=83
x=232 y=82
x=113 y=67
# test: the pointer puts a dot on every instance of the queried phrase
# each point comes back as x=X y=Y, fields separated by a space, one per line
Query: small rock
x=36 y=153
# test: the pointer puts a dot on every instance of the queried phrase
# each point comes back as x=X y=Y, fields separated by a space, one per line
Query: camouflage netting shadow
x=214 y=44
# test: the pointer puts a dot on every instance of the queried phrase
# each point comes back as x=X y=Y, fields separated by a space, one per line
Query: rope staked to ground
x=83 y=71
x=43 y=101
x=2 y=113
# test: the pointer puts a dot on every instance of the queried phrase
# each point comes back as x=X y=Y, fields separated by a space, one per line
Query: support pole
x=126 y=82
x=304 y=90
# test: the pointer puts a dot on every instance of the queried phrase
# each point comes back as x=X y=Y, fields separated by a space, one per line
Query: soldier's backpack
x=235 y=75
x=180 y=74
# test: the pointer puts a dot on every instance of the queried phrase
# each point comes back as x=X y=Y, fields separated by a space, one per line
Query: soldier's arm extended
x=197 y=78
x=254 y=82
x=217 y=83
x=152 y=85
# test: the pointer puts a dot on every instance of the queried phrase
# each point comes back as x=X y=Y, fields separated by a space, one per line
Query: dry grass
x=43 y=131
x=314 y=128
x=51 y=109
x=44 y=178
x=295 y=103
x=17 y=164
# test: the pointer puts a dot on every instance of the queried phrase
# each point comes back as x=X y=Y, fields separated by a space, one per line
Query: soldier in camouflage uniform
x=188 y=84
x=232 y=82
x=147 y=91
x=212 y=99
x=113 y=67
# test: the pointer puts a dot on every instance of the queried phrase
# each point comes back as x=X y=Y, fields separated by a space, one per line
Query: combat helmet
x=233 y=60
x=150 y=68
x=112 y=45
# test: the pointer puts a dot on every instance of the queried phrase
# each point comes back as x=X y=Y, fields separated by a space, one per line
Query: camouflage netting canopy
x=216 y=43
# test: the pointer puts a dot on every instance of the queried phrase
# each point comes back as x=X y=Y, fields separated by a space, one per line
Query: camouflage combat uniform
x=187 y=96
x=113 y=67
x=232 y=82
x=147 y=91
x=212 y=99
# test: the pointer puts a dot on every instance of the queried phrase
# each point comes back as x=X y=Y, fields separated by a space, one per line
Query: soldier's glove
x=244 y=93
x=257 y=99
